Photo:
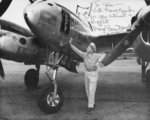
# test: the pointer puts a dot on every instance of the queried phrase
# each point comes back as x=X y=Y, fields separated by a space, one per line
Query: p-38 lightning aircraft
x=53 y=26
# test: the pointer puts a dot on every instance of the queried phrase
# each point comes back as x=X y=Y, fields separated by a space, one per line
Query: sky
x=15 y=10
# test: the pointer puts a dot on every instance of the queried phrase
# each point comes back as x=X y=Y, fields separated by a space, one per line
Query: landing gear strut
x=51 y=98
x=145 y=74
x=31 y=78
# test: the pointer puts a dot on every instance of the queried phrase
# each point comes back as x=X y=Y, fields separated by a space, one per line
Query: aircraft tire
x=31 y=79
x=148 y=78
x=45 y=102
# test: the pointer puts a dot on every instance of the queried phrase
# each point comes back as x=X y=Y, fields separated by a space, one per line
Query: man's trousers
x=90 y=86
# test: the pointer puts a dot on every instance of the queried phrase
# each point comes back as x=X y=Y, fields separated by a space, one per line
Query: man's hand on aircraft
x=70 y=41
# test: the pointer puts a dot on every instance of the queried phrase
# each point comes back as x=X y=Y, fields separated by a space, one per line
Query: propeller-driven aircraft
x=52 y=27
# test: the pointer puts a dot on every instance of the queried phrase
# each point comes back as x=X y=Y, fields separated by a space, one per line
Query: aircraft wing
x=119 y=42
x=105 y=43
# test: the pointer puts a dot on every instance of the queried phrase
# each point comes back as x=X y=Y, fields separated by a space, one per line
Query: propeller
x=147 y=2
x=32 y=1
x=4 y=4
x=140 y=22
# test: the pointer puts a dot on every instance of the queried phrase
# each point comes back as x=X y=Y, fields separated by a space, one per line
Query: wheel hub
x=51 y=101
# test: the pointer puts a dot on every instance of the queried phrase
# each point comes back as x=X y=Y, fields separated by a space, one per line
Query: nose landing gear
x=50 y=103
x=51 y=99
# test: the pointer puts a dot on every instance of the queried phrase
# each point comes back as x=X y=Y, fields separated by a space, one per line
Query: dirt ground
x=120 y=94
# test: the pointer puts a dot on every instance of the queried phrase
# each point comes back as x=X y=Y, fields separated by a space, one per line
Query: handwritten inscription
x=107 y=18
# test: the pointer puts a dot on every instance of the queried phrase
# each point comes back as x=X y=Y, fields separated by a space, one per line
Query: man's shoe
x=89 y=110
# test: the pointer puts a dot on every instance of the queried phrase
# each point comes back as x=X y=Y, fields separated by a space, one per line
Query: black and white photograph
x=74 y=60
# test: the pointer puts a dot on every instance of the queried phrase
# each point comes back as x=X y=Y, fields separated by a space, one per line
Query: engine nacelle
x=142 y=46
x=19 y=48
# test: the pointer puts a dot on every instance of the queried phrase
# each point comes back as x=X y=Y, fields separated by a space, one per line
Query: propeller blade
x=12 y=27
x=2 y=74
x=139 y=23
x=147 y=2
x=32 y=1
x=4 y=4
x=121 y=46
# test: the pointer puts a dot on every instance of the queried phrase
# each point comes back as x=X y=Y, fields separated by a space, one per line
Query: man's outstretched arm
x=76 y=50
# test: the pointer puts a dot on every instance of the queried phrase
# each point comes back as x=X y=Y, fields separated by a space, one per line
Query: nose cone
x=31 y=14
x=44 y=19
x=144 y=14
x=41 y=11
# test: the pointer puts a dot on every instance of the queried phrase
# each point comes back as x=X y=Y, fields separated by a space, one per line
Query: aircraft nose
x=44 y=19
x=31 y=14
x=42 y=12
